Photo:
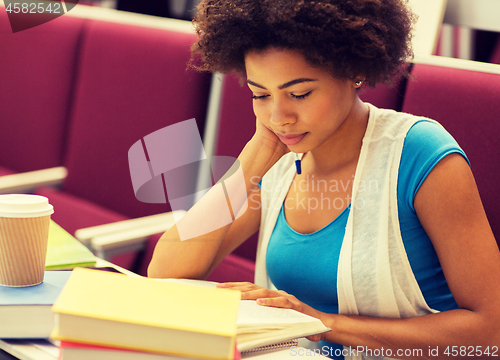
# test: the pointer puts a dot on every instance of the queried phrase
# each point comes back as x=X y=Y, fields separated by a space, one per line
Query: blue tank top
x=305 y=265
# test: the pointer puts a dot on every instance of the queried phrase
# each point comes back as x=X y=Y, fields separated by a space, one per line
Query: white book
x=259 y=326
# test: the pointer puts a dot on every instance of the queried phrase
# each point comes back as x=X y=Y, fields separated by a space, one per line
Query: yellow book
x=65 y=251
x=110 y=309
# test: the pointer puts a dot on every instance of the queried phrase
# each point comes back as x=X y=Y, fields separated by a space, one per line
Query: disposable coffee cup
x=24 y=233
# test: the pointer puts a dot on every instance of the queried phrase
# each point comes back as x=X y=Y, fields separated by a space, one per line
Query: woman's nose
x=281 y=114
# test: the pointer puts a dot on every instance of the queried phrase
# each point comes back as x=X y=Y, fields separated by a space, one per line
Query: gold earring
x=358 y=83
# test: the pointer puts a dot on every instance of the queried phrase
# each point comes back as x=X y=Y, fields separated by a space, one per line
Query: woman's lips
x=291 y=139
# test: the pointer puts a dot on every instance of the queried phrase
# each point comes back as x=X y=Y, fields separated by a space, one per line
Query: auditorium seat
x=384 y=96
x=466 y=103
x=235 y=128
x=37 y=77
x=131 y=81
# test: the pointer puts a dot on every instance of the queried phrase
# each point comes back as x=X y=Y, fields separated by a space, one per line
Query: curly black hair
x=350 y=38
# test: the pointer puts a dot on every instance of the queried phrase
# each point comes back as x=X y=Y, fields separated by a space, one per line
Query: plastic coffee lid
x=24 y=206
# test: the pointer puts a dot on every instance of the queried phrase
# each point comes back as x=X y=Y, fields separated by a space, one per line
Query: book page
x=64 y=251
x=202 y=283
x=250 y=313
x=259 y=325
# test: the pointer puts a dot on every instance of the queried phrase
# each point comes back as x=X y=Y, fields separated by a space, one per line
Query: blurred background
x=79 y=91
x=177 y=9
x=474 y=39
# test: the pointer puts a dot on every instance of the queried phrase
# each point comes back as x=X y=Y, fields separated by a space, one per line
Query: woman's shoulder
x=390 y=123
x=426 y=143
x=428 y=137
x=423 y=132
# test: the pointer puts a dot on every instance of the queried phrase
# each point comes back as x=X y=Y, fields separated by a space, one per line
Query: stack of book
x=25 y=312
x=102 y=315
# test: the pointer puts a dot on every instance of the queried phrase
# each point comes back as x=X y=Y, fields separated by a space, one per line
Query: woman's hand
x=262 y=151
x=268 y=138
x=273 y=298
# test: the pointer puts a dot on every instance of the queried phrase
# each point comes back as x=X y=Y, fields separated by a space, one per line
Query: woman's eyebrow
x=285 y=85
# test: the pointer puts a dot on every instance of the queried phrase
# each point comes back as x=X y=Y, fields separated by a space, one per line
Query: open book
x=259 y=326
x=64 y=251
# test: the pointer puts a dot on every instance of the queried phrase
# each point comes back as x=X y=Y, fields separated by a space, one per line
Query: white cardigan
x=374 y=275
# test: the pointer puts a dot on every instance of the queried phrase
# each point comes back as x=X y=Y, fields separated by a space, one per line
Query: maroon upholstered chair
x=5 y=171
x=236 y=128
x=229 y=126
x=466 y=103
x=234 y=268
x=385 y=96
x=236 y=117
x=131 y=82
x=37 y=78
x=226 y=135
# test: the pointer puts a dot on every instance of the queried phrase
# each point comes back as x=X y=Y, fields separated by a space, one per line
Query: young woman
x=380 y=233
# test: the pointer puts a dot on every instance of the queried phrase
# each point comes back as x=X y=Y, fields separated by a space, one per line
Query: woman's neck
x=342 y=149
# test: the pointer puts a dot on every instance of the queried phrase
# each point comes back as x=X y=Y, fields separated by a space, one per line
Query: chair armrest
x=28 y=181
x=128 y=235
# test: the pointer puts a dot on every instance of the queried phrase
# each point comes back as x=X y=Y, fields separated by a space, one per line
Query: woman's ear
x=358 y=82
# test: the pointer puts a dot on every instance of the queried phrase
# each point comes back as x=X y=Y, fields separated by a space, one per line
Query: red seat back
x=467 y=104
x=132 y=81
x=236 y=127
x=36 y=82
x=385 y=96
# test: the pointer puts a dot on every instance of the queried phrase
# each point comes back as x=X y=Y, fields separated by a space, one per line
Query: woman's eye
x=259 y=97
x=303 y=96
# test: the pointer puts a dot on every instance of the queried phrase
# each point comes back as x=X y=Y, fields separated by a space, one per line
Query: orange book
x=77 y=351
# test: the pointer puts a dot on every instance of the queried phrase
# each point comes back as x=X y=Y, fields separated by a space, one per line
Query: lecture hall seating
x=80 y=92
x=89 y=88
x=466 y=103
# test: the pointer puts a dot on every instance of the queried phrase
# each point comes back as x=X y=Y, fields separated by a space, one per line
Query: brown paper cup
x=23 y=241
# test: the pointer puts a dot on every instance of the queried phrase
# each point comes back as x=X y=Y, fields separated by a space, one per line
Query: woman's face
x=304 y=106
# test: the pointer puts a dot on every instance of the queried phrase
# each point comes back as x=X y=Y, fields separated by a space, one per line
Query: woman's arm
x=178 y=254
x=450 y=210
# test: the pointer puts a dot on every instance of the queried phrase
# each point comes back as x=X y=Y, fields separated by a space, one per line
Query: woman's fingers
x=241 y=286
x=266 y=297
x=234 y=284
x=281 y=302
x=272 y=298
x=315 y=338
x=251 y=291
